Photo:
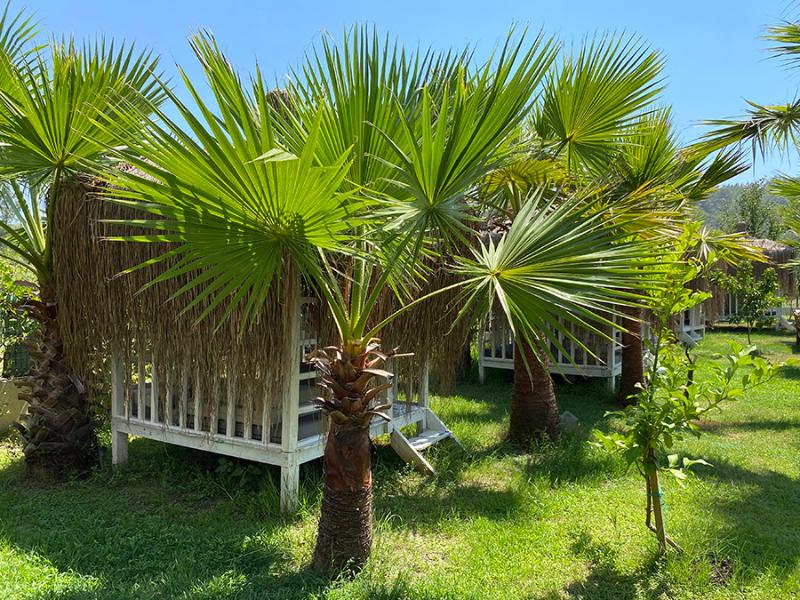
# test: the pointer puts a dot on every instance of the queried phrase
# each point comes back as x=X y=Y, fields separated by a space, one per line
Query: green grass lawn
x=565 y=521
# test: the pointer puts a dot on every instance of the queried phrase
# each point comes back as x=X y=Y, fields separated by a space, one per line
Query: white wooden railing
x=496 y=350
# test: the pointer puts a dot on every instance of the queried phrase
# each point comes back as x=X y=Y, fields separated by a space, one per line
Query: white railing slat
x=197 y=396
x=141 y=387
x=154 y=416
x=230 y=417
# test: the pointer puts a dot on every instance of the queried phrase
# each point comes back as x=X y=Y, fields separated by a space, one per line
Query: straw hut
x=496 y=351
x=185 y=382
x=723 y=304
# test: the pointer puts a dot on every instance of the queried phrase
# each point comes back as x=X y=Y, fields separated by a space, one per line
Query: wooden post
x=197 y=396
x=154 y=416
x=424 y=373
x=230 y=416
x=213 y=419
x=183 y=403
x=140 y=407
x=495 y=336
x=119 y=440
x=655 y=494
x=290 y=409
x=169 y=396
x=266 y=420
x=391 y=394
x=409 y=387
x=247 y=413
x=501 y=334
x=481 y=345
x=611 y=361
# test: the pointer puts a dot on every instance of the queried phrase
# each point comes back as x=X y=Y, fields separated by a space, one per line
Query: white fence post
x=119 y=440
x=290 y=410
x=481 y=344
x=611 y=361
x=154 y=416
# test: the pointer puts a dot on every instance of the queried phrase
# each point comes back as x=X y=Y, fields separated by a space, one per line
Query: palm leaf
x=560 y=263
x=595 y=95
x=55 y=108
x=763 y=127
x=232 y=203
x=24 y=238
x=786 y=41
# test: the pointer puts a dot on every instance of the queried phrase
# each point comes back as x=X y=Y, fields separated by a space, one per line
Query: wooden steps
x=427 y=439
x=410 y=449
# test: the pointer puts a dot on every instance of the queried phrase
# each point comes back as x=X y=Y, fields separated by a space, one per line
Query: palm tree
x=672 y=179
x=54 y=123
x=578 y=127
x=368 y=163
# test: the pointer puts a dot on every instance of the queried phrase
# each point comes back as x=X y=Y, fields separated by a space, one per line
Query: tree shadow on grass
x=790 y=371
x=718 y=427
x=791 y=347
x=759 y=528
x=605 y=581
x=169 y=525
x=571 y=459
x=140 y=537
x=574 y=460
x=587 y=399
x=232 y=584
x=427 y=504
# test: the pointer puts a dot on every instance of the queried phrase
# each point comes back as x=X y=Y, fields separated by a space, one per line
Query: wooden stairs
x=410 y=448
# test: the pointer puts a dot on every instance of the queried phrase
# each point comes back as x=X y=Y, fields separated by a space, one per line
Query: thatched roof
x=100 y=311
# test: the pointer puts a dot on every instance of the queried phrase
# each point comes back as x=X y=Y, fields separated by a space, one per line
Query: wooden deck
x=216 y=418
x=496 y=351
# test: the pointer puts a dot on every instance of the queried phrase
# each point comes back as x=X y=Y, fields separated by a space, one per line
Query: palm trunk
x=632 y=356
x=534 y=411
x=344 y=538
x=58 y=433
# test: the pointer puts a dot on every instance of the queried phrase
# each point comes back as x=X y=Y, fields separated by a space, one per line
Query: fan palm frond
x=55 y=107
x=596 y=94
x=785 y=38
x=24 y=238
x=763 y=127
x=562 y=263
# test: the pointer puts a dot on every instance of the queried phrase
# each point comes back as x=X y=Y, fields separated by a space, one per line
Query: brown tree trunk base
x=632 y=357
x=534 y=411
x=58 y=433
x=655 y=509
x=344 y=537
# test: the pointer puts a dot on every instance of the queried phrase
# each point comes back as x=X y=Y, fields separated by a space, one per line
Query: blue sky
x=715 y=57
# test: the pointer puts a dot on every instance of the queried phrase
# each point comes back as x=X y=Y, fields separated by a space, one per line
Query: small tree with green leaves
x=671 y=401
x=755 y=295
x=754 y=209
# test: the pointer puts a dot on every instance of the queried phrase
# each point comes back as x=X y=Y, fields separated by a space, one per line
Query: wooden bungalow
x=189 y=383
x=724 y=305
x=496 y=351
x=496 y=347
